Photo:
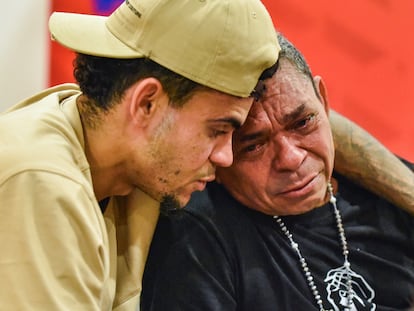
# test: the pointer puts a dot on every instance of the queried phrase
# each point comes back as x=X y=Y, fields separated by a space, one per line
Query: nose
x=222 y=154
x=289 y=156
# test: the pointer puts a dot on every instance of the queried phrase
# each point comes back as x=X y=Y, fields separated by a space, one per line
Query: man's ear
x=145 y=100
x=322 y=92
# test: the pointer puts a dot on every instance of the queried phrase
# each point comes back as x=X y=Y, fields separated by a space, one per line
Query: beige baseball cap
x=222 y=44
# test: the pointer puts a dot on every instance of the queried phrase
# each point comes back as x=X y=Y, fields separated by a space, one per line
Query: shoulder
x=40 y=138
x=362 y=206
x=211 y=219
x=214 y=204
x=212 y=222
x=357 y=193
x=209 y=212
x=199 y=244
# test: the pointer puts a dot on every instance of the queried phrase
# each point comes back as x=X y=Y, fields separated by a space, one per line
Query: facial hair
x=170 y=205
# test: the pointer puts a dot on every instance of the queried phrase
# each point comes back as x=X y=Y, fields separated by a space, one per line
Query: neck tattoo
x=304 y=265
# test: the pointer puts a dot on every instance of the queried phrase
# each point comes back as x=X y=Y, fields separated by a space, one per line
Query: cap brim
x=88 y=34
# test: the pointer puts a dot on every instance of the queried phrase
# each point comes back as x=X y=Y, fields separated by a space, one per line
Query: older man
x=279 y=232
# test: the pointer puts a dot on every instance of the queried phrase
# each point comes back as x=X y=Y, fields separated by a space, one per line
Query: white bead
x=304 y=265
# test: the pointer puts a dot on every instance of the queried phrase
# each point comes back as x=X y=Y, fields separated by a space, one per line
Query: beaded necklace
x=304 y=265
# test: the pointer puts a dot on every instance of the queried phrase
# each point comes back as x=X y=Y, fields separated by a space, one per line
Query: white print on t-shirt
x=363 y=294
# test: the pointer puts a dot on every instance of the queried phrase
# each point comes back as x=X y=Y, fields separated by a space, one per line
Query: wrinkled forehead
x=288 y=90
x=257 y=119
x=286 y=81
x=258 y=115
x=282 y=92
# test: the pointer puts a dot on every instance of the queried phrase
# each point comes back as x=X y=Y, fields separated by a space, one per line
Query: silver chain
x=304 y=265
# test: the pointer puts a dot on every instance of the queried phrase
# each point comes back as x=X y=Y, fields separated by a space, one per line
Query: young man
x=163 y=84
x=279 y=232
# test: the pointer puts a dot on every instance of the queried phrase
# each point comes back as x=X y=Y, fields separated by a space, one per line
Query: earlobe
x=322 y=92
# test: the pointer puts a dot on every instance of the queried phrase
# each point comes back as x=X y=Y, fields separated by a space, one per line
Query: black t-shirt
x=220 y=255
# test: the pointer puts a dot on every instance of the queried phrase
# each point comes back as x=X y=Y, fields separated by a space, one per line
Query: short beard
x=170 y=205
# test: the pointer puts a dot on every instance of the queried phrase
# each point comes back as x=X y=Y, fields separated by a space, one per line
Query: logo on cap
x=133 y=9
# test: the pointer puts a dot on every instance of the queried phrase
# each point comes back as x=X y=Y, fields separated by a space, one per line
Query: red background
x=362 y=48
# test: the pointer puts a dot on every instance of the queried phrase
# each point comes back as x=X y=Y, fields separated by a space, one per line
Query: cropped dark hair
x=104 y=80
x=291 y=53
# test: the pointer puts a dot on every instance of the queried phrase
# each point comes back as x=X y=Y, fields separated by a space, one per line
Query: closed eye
x=223 y=126
x=216 y=133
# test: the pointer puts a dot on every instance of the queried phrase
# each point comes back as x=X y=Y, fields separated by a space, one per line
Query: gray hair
x=293 y=55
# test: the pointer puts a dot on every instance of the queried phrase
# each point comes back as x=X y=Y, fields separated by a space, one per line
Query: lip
x=201 y=183
x=207 y=179
x=302 y=189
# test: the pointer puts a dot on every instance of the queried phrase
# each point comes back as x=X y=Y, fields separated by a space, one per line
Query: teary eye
x=305 y=122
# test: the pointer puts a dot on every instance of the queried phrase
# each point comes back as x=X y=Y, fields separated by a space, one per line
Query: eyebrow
x=249 y=137
x=235 y=123
x=293 y=115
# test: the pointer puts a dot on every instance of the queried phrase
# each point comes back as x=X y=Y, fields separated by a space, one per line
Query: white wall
x=24 y=49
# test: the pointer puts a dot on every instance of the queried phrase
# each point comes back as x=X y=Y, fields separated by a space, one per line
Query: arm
x=50 y=241
x=365 y=160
